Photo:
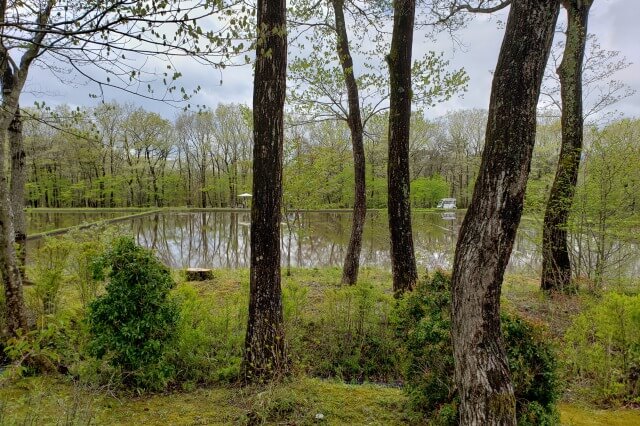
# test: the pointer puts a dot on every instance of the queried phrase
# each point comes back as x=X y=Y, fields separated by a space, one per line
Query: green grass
x=228 y=282
x=298 y=401
x=577 y=415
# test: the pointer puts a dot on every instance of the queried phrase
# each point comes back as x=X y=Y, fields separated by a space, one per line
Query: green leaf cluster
x=135 y=320
x=427 y=191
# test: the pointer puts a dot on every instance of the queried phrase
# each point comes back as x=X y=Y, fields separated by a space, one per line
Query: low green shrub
x=83 y=268
x=49 y=272
x=134 y=322
x=209 y=338
x=603 y=351
x=64 y=270
x=533 y=368
x=349 y=336
x=423 y=323
x=53 y=347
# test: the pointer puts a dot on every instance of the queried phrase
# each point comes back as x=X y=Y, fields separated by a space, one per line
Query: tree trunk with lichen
x=489 y=228
x=15 y=312
x=403 y=260
x=9 y=268
x=265 y=356
x=556 y=265
x=354 y=119
x=17 y=188
x=13 y=76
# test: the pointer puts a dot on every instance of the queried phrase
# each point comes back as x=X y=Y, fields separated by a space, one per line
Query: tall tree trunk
x=203 y=180
x=354 y=119
x=189 y=186
x=111 y=173
x=403 y=260
x=9 y=265
x=487 y=234
x=102 y=197
x=33 y=201
x=265 y=356
x=556 y=265
x=17 y=188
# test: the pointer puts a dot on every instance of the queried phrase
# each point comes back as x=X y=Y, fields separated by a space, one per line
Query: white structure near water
x=447 y=204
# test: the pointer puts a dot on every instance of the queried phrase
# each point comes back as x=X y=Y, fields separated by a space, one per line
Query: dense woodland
x=339 y=120
x=204 y=160
x=121 y=156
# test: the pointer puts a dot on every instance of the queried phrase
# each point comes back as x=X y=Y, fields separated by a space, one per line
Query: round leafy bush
x=423 y=324
x=133 y=322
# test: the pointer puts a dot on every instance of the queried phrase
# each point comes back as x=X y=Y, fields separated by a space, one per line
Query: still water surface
x=310 y=239
x=41 y=221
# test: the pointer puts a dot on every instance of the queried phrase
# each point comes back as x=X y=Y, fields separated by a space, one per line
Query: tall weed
x=603 y=350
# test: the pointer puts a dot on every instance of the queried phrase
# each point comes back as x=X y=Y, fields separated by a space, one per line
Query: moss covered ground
x=299 y=401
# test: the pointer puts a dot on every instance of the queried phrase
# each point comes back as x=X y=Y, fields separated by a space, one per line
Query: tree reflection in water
x=215 y=239
x=311 y=239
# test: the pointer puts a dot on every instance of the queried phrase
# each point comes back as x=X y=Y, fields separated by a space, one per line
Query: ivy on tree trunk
x=265 y=356
x=556 y=265
x=403 y=260
x=488 y=231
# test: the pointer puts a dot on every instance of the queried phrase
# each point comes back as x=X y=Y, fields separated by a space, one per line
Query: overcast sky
x=616 y=23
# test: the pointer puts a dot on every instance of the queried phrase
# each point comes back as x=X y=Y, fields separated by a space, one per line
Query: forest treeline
x=124 y=156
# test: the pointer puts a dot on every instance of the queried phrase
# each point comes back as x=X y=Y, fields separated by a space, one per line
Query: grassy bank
x=299 y=401
x=327 y=386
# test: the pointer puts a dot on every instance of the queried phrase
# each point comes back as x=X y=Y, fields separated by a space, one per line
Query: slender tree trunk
x=488 y=232
x=403 y=260
x=17 y=188
x=111 y=173
x=232 y=197
x=12 y=81
x=234 y=184
x=352 y=259
x=47 y=186
x=102 y=197
x=9 y=265
x=265 y=356
x=203 y=180
x=157 y=200
x=35 y=201
x=189 y=186
x=556 y=265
